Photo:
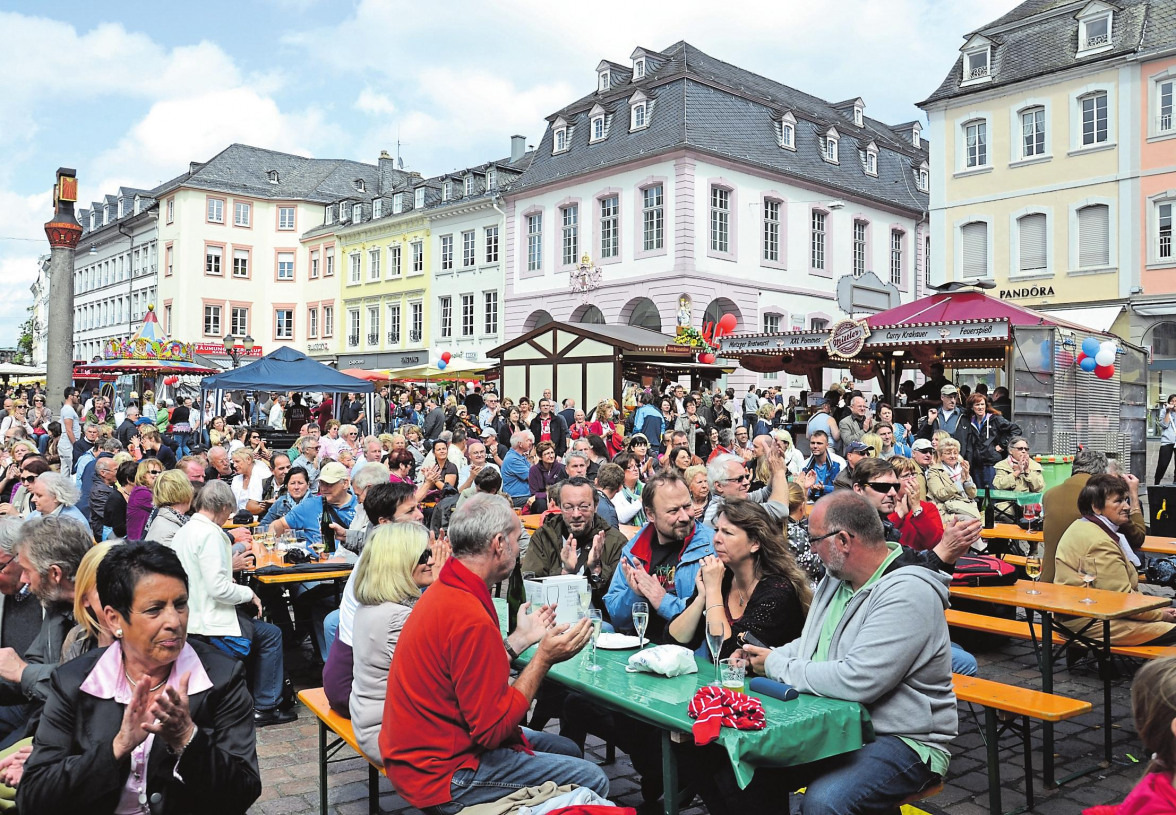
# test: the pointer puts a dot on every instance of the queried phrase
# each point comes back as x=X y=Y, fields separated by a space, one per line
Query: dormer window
x=491 y=179
x=469 y=185
x=603 y=80
x=786 y=131
x=858 y=115
x=446 y=190
x=272 y=175
x=870 y=159
x=977 y=60
x=1094 y=28
x=638 y=68
x=106 y=215
x=356 y=213
x=638 y=120
x=138 y=205
x=559 y=136
x=923 y=178
x=328 y=215
x=597 y=127
x=360 y=186
x=398 y=203
x=378 y=208
x=93 y=221
x=419 y=203
x=829 y=145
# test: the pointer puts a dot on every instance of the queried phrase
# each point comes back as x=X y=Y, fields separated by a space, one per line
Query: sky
x=128 y=93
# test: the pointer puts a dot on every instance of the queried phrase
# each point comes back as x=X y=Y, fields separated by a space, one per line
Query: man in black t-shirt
x=297 y=414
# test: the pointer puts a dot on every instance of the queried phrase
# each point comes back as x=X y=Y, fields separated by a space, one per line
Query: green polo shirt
x=933 y=757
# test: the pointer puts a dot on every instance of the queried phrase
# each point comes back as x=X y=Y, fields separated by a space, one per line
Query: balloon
x=1090 y=346
x=1087 y=364
x=442 y=365
x=706 y=359
x=728 y=322
x=1105 y=358
x=446 y=356
x=1081 y=356
x=1104 y=371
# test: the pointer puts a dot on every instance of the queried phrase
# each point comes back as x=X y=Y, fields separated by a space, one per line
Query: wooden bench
x=1022 y=702
x=316 y=702
x=1019 y=629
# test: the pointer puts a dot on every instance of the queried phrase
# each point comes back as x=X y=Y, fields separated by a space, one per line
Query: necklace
x=742 y=596
x=135 y=684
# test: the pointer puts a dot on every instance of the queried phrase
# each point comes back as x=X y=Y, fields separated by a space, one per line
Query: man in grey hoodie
x=875 y=634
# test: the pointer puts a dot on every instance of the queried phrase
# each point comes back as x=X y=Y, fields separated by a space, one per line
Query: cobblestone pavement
x=288 y=754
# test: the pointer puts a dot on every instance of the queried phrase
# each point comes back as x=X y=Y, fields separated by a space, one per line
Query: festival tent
x=455 y=369
x=368 y=376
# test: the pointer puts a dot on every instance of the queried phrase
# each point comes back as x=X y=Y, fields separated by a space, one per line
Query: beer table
x=263 y=558
x=805 y=729
x=1059 y=599
x=1158 y=545
x=1012 y=532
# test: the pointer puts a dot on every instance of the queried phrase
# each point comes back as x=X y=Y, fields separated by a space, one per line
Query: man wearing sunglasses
x=729 y=480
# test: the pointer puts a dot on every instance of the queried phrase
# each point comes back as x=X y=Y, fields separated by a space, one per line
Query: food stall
x=1057 y=402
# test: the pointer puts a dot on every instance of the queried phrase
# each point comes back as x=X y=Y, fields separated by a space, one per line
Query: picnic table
x=1012 y=532
x=1059 y=599
x=263 y=558
x=1158 y=545
x=805 y=729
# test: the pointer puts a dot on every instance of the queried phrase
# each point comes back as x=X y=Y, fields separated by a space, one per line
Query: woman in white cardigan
x=205 y=551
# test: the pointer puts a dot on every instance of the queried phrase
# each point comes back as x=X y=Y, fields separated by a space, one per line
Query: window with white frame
x=720 y=219
x=976 y=143
x=1094 y=33
x=212 y=260
x=829 y=148
x=1094 y=118
x=373 y=317
x=1033 y=132
x=638 y=68
x=374 y=264
x=976 y=63
x=352 y=328
x=490 y=305
x=285 y=265
x=398 y=203
x=927 y=261
x=1031 y=235
x=171 y=212
x=652 y=218
x=328 y=321
x=445 y=306
x=284 y=323
x=771 y=323
x=598 y=127
x=923 y=179
x=638 y=116
x=609 y=222
x=818 y=324
x=772 y=230
x=377 y=208
x=467 y=315
x=285 y=218
x=447 y=190
x=817 y=244
x=356 y=213
x=240 y=263
x=446 y=253
x=216 y=210
x=1094 y=235
x=491 y=235
x=239 y=321
x=535 y=242
x=394 y=324
x=491 y=178
x=416 y=313
x=328 y=214
x=560 y=140
x=419 y=202
x=167 y=318
x=974 y=249
x=896 y=239
x=860 y=230
x=603 y=81
x=212 y=321
x=1165 y=98
x=418 y=256
x=869 y=158
x=1164 y=214
x=356 y=268
x=570 y=234
x=314 y=265
x=787 y=135
x=312 y=322
x=468 y=251
x=329 y=260
x=242 y=213
x=857 y=115
x=469 y=185
x=394 y=260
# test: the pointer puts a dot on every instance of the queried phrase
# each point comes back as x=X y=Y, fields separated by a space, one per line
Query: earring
x=118 y=633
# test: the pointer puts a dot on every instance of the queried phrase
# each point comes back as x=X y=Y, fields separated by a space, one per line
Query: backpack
x=983 y=570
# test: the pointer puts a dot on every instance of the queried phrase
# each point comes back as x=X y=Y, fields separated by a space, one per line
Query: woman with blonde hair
x=172 y=495
x=397 y=564
x=91 y=631
x=140 y=502
x=949 y=483
x=249 y=482
x=695 y=478
x=916 y=518
x=798 y=534
x=874 y=442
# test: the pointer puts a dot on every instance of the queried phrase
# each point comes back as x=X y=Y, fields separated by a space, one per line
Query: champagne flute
x=585 y=594
x=1033 y=567
x=714 y=641
x=597 y=621
x=640 y=622
x=1088 y=575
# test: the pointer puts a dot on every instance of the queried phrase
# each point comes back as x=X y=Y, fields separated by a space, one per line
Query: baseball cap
x=143 y=420
x=948 y=390
x=333 y=473
x=858 y=447
x=922 y=446
x=488 y=432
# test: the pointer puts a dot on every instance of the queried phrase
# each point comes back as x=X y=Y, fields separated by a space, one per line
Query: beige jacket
x=941 y=489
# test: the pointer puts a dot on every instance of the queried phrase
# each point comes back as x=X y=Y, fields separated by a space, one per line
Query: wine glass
x=1088 y=575
x=585 y=594
x=319 y=548
x=552 y=595
x=1033 y=567
x=597 y=621
x=714 y=641
x=640 y=622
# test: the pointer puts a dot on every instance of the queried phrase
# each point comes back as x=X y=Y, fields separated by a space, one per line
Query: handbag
x=983 y=570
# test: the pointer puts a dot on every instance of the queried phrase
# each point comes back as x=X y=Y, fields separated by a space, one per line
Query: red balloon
x=1104 y=371
x=1081 y=356
x=706 y=359
x=728 y=322
x=446 y=356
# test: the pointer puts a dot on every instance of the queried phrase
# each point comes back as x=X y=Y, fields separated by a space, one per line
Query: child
x=1153 y=702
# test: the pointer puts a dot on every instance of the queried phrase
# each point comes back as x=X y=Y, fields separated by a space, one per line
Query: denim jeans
x=962 y=662
x=42 y=442
x=500 y=772
x=268 y=664
x=330 y=632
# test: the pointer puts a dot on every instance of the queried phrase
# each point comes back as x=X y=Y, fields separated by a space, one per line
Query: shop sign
x=217 y=349
x=317 y=347
x=847 y=338
x=1028 y=291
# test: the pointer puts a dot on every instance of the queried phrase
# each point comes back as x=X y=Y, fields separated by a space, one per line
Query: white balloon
x=1107 y=345
x=1105 y=357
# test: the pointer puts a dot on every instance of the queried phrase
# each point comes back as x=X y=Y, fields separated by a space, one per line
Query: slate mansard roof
x=695 y=100
x=1040 y=37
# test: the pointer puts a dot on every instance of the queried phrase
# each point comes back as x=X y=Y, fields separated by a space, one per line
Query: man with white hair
x=277 y=414
x=55 y=494
x=729 y=480
x=373 y=451
x=516 y=469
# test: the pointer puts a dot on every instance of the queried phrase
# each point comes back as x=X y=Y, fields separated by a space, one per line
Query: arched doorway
x=720 y=306
x=643 y=313
x=588 y=314
x=536 y=319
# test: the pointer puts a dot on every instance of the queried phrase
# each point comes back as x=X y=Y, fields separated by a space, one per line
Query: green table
x=797 y=732
x=1021 y=498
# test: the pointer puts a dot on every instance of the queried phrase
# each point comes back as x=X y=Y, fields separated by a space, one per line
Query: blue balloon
x=1088 y=364
x=441 y=365
x=1090 y=347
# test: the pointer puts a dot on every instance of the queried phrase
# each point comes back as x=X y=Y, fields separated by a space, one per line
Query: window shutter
x=1093 y=236
x=974 y=238
x=1032 y=229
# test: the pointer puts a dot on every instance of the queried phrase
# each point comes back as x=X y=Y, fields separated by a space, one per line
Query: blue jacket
x=619 y=598
x=516 y=471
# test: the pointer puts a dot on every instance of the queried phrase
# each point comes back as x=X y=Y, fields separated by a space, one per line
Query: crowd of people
x=825 y=568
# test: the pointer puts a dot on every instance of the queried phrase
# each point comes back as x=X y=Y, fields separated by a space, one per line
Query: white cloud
x=376 y=104
x=17 y=273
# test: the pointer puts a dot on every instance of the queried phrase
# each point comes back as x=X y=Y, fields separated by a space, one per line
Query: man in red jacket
x=451 y=736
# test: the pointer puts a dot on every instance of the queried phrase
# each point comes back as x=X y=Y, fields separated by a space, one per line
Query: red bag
x=983 y=570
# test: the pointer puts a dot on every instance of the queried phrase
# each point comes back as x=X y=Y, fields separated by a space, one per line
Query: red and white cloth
x=716 y=707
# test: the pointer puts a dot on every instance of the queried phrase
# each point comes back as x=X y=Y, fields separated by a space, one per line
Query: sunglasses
x=1022 y=449
x=425 y=557
x=744 y=478
x=883 y=486
x=28 y=479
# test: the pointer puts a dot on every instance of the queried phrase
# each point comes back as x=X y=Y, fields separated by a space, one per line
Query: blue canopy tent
x=283 y=370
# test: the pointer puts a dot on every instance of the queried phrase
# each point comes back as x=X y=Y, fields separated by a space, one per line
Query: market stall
x=1060 y=398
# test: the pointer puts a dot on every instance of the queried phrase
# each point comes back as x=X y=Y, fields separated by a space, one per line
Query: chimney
x=385 y=154
x=518 y=146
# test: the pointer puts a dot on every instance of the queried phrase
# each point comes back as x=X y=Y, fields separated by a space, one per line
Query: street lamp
x=237 y=347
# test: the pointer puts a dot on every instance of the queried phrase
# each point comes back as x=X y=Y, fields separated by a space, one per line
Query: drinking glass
x=597 y=621
x=552 y=595
x=734 y=674
x=1088 y=575
x=1033 y=567
x=714 y=641
x=585 y=599
x=640 y=622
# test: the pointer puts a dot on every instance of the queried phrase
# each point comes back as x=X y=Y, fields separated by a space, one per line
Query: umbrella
x=12 y=369
x=367 y=376
x=456 y=369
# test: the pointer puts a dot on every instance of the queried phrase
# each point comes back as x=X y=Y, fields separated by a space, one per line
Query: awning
x=1096 y=318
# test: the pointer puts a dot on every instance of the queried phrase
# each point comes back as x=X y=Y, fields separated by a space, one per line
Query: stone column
x=63 y=233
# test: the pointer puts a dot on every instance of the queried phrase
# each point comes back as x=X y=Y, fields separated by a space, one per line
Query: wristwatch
x=510 y=652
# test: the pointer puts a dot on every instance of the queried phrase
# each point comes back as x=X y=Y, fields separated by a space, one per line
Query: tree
x=24 y=345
